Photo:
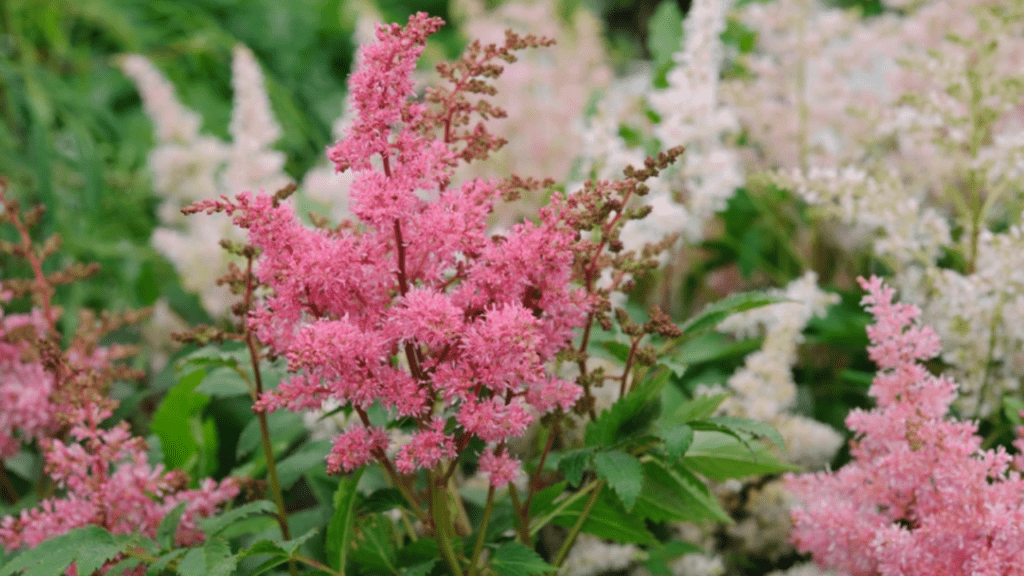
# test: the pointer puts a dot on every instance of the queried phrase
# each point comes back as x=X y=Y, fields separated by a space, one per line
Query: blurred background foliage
x=74 y=137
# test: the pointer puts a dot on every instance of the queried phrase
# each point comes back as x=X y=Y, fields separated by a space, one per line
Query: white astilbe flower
x=591 y=555
x=605 y=152
x=876 y=209
x=693 y=116
x=187 y=166
x=763 y=530
x=763 y=389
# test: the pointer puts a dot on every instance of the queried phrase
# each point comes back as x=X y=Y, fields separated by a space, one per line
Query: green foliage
x=89 y=548
x=665 y=34
x=514 y=559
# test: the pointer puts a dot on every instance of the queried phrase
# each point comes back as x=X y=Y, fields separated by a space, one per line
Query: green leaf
x=186 y=440
x=514 y=559
x=718 y=311
x=608 y=519
x=157 y=568
x=710 y=347
x=382 y=500
x=618 y=350
x=421 y=569
x=753 y=427
x=677 y=440
x=90 y=545
x=664 y=36
x=720 y=456
x=623 y=474
x=291 y=468
x=696 y=409
x=339 y=531
x=632 y=415
x=671 y=495
x=543 y=500
x=375 y=544
x=574 y=463
x=169 y=526
x=214 y=525
x=223 y=382
x=285 y=428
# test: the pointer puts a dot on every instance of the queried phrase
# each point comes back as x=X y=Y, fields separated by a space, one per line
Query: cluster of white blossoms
x=591 y=555
x=763 y=389
x=187 y=166
x=939 y=194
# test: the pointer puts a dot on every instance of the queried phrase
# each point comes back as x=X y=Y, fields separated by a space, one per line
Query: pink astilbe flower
x=109 y=483
x=920 y=497
x=500 y=468
x=415 y=307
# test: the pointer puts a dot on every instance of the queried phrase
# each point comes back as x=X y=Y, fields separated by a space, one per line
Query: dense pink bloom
x=109 y=483
x=499 y=467
x=920 y=497
x=355 y=447
x=415 y=307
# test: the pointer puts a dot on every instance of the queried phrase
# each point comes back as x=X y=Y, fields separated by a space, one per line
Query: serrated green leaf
x=677 y=440
x=339 y=531
x=90 y=558
x=193 y=563
x=218 y=557
x=753 y=427
x=162 y=562
x=214 y=525
x=618 y=350
x=718 y=311
x=291 y=546
x=51 y=557
x=574 y=463
x=623 y=474
x=608 y=519
x=720 y=456
x=213 y=356
x=169 y=526
x=124 y=566
x=178 y=424
x=670 y=496
x=631 y=416
x=514 y=559
x=312 y=454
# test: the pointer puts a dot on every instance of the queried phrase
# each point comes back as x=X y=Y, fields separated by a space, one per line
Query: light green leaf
x=753 y=427
x=339 y=531
x=677 y=440
x=670 y=496
x=720 y=456
x=291 y=468
x=623 y=474
x=214 y=525
x=223 y=382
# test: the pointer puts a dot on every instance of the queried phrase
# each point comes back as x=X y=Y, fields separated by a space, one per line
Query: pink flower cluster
x=416 y=308
x=26 y=412
x=920 y=497
x=110 y=484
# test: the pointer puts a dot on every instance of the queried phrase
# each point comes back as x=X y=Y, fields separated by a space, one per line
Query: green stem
x=543 y=521
x=522 y=515
x=482 y=532
x=575 y=530
x=443 y=524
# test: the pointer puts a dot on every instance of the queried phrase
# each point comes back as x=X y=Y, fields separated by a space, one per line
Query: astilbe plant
x=51 y=391
x=921 y=496
x=414 y=308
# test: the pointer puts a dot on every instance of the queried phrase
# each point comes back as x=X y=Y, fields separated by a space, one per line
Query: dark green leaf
x=214 y=525
x=631 y=416
x=157 y=567
x=169 y=526
x=382 y=500
x=658 y=557
x=375 y=544
x=291 y=468
x=574 y=463
x=712 y=346
x=623 y=474
x=543 y=499
x=618 y=350
x=698 y=408
x=514 y=559
x=339 y=531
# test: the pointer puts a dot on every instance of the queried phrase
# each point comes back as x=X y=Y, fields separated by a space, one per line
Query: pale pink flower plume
x=920 y=497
